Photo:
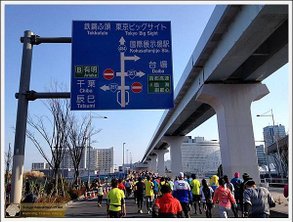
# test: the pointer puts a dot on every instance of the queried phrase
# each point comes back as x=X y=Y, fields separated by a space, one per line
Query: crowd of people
x=164 y=197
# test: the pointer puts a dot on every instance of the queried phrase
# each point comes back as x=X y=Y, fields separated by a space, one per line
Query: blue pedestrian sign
x=121 y=65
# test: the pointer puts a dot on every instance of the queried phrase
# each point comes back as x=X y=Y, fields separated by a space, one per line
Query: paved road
x=89 y=209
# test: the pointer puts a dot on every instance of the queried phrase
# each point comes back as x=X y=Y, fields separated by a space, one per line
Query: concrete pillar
x=153 y=163
x=161 y=161
x=232 y=104
x=175 y=143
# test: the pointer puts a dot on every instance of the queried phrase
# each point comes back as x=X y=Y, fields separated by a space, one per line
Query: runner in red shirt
x=121 y=185
x=167 y=205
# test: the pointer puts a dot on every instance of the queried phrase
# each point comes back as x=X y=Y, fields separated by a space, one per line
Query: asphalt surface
x=90 y=209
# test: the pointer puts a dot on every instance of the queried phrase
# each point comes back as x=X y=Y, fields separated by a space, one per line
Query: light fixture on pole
x=275 y=138
x=89 y=143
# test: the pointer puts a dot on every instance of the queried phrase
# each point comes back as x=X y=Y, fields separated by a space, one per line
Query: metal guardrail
x=274 y=181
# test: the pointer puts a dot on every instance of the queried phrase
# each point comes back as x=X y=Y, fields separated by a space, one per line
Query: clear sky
x=52 y=62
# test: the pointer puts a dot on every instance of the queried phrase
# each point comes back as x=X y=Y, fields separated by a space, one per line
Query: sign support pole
x=21 y=121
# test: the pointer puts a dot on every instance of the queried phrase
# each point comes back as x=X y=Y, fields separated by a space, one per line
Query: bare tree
x=56 y=138
x=8 y=162
x=79 y=132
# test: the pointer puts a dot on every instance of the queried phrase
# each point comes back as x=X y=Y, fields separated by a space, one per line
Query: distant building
x=276 y=143
x=67 y=162
x=200 y=156
x=101 y=160
x=271 y=133
x=261 y=155
x=40 y=166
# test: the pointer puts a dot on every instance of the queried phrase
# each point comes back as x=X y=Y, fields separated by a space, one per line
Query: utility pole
x=21 y=120
x=89 y=143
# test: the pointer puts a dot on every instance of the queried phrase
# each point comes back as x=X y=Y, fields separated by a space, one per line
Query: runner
x=224 y=198
x=149 y=194
x=167 y=205
x=115 y=201
x=156 y=187
x=100 y=190
x=195 y=188
x=230 y=186
x=236 y=181
x=139 y=190
x=128 y=188
x=257 y=201
x=182 y=193
x=207 y=198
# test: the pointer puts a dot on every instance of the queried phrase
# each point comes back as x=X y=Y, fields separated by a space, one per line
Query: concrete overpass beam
x=175 y=143
x=161 y=161
x=232 y=104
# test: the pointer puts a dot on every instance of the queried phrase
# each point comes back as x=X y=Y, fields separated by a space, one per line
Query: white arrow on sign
x=135 y=58
x=140 y=74
x=122 y=41
x=105 y=87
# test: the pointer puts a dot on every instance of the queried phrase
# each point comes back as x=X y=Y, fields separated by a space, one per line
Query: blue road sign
x=121 y=65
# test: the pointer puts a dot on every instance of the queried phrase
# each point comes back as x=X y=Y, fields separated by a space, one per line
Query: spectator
x=224 y=198
x=115 y=201
x=257 y=201
x=182 y=193
x=167 y=205
x=285 y=192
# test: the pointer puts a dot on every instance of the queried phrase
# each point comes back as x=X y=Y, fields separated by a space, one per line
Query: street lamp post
x=123 y=158
x=126 y=156
x=130 y=160
x=89 y=144
x=276 y=140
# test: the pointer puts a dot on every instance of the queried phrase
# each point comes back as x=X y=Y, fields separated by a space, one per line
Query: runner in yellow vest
x=195 y=189
x=149 y=193
x=115 y=201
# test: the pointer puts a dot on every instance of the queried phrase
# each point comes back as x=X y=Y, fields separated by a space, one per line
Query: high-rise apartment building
x=67 y=162
x=261 y=155
x=100 y=160
x=271 y=133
